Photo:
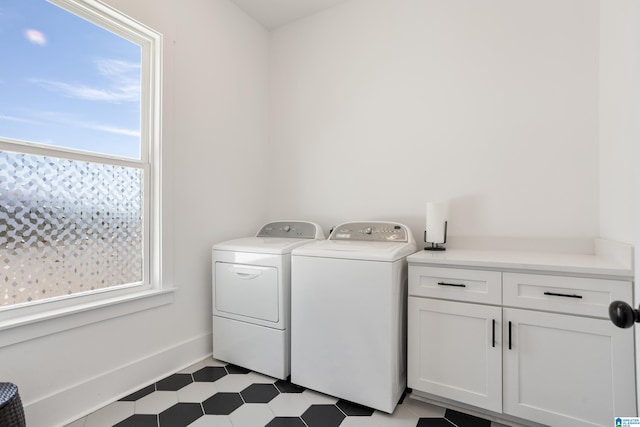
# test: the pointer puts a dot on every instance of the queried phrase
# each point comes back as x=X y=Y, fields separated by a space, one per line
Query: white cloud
x=36 y=37
x=72 y=120
x=54 y=117
x=112 y=129
x=17 y=119
x=122 y=83
x=130 y=93
x=114 y=67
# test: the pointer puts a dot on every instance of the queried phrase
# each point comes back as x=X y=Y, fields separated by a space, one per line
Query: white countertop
x=530 y=261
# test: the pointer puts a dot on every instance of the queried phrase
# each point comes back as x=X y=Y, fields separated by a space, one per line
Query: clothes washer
x=348 y=312
x=252 y=296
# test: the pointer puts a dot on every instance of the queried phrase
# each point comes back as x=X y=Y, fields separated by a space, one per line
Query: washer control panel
x=293 y=229
x=371 y=232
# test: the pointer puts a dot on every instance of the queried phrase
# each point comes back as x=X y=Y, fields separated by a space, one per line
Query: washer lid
x=262 y=245
x=357 y=250
x=364 y=240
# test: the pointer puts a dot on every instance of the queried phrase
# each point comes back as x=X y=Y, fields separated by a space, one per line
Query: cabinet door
x=454 y=351
x=566 y=370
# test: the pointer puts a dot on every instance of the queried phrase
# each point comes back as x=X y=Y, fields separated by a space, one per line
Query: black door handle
x=509 y=334
x=622 y=314
x=493 y=333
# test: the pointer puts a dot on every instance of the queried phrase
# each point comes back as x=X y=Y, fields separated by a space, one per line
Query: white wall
x=619 y=117
x=215 y=99
x=620 y=131
x=379 y=106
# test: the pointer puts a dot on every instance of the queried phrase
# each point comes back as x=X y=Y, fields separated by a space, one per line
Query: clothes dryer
x=252 y=296
x=348 y=313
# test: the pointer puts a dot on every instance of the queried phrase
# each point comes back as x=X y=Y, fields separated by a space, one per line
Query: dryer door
x=246 y=291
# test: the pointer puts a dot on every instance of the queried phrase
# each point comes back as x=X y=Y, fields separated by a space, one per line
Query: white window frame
x=40 y=318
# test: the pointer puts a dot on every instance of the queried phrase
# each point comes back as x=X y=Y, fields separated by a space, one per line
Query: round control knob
x=368 y=230
x=286 y=228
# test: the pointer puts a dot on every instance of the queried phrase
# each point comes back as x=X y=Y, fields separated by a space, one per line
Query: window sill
x=50 y=322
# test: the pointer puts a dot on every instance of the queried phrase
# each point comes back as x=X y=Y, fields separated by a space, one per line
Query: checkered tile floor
x=213 y=393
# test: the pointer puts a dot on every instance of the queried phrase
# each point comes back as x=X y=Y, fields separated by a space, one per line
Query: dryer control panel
x=292 y=229
x=371 y=232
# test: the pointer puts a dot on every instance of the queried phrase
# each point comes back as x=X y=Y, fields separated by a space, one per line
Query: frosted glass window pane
x=67 y=227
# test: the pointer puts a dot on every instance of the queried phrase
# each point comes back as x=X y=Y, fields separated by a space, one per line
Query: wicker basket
x=11 y=411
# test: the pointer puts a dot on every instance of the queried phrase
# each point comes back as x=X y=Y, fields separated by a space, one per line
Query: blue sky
x=67 y=82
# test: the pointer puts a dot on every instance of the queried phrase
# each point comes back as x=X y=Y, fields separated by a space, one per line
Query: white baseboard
x=78 y=400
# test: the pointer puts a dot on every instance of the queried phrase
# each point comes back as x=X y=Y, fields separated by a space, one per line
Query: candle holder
x=435 y=246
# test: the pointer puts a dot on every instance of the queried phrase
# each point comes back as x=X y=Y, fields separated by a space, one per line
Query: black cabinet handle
x=493 y=333
x=458 y=285
x=509 y=334
x=554 y=294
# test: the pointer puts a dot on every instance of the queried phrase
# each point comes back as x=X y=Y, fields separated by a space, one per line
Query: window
x=79 y=155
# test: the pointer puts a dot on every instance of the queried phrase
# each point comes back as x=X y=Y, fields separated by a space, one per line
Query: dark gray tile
x=222 y=403
x=209 y=374
x=465 y=420
x=139 y=394
x=233 y=369
x=323 y=416
x=288 y=387
x=286 y=422
x=353 y=409
x=174 y=382
x=259 y=393
x=180 y=415
x=434 y=422
x=139 y=420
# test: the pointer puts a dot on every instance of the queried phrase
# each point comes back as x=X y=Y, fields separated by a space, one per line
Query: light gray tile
x=197 y=392
x=423 y=409
x=251 y=415
x=376 y=422
x=212 y=420
x=402 y=416
x=233 y=383
x=289 y=405
x=156 y=402
x=316 y=398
